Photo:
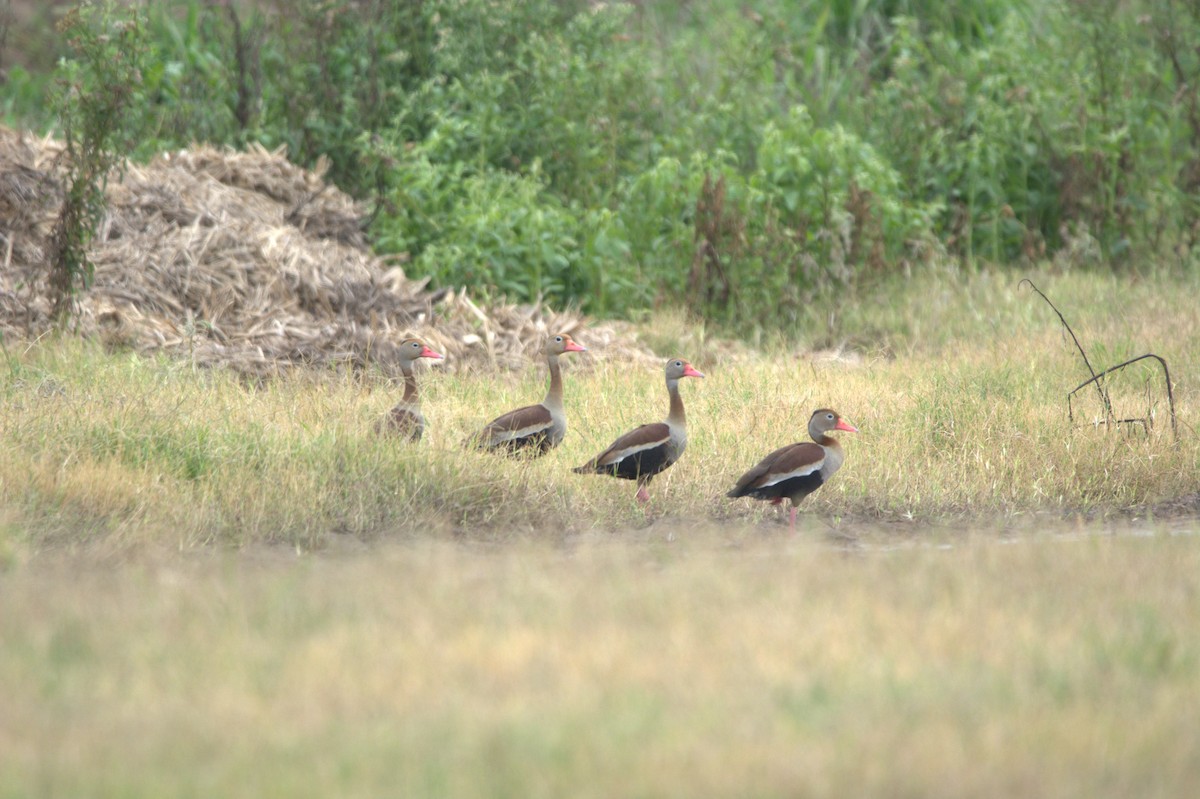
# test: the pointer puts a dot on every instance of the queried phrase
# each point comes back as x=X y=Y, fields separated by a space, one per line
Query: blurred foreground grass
x=727 y=663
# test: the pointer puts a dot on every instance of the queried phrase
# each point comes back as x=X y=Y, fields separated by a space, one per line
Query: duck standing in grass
x=535 y=429
x=405 y=419
x=795 y=471
x=642 y=453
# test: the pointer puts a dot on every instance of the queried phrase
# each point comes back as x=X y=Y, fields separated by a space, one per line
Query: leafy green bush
x=22 y=103
x=655 y=221
x=831 y=187
x=311 y=76
x=819 y=207
x=193 y=75
x=1057 y=124
x=96 y=97
x=741 y=158
x=492 y=230
x=1123 y=114
x=536 y=84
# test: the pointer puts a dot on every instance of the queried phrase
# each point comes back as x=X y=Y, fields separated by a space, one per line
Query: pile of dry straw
x=244 y=259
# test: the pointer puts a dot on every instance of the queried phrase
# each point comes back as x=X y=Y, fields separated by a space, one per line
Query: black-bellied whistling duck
x=406 y=419
x=647 y=450
x=795 y=471
x=534 y=428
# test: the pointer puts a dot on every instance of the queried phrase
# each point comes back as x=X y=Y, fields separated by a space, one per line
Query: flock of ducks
x=791 y=472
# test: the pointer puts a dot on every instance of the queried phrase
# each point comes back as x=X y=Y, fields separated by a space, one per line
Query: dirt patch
x=245 y=260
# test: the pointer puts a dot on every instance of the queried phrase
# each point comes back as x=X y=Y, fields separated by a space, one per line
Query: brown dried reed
x=246 y=260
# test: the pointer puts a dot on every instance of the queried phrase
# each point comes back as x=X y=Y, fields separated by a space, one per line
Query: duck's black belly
x=536 y=444
x=644 y=464
x=795 y=488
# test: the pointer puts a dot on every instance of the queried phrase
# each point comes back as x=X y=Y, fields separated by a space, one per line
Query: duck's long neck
x=675 y=416
x=833 y=453
x=554 y=396
x=829 y=441
x=410 y=383
x=825 y=440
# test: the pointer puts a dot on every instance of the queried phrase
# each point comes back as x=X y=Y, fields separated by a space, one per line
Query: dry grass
x=721 y=664
x=246 y=261
x=133 y=450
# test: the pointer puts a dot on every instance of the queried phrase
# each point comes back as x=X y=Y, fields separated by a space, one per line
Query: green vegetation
x=93 y=98
x=741 y=159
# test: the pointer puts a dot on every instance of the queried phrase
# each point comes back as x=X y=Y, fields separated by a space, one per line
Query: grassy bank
x=946 y=623
x=720 y=665
x=957 y=385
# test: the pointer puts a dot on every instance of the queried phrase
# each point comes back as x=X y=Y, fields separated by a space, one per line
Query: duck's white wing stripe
x=622 y=454
x=803 y=471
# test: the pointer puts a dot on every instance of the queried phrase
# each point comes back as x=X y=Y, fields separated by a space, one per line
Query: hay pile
x=245 y=260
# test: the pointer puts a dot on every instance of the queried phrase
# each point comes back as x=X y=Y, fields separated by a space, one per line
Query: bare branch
x=1099 y=389
x=1166 y=379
